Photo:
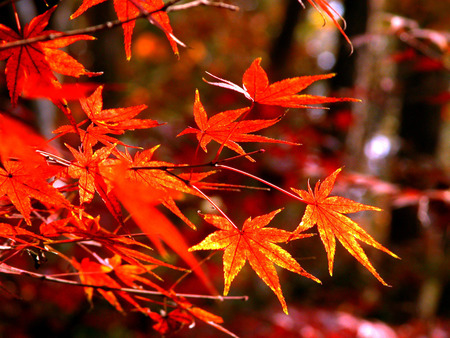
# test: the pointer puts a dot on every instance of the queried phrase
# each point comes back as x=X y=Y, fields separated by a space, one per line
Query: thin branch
x=261 y=180
x=214 y=205
x=100 y=27
x=203 y=3
x=4 y=268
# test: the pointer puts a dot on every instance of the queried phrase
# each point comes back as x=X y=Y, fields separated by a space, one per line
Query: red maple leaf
x=282 y=93
x=328 y=213
x=254 y=243
x=172 y=322
x=128 y=9
x=224 y=129
x=38 y=60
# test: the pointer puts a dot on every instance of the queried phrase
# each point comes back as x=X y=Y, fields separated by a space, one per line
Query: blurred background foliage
x=395 y=146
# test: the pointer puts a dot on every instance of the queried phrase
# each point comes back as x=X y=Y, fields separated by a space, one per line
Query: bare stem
x=214 y=205
x=202 y=3
x=261 y=180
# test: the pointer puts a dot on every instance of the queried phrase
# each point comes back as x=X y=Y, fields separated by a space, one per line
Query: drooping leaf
x=283 y=93
x=323 y=6
x=128 y=9
x=140 y=200
x=255 y=243
x=224 y=129
x=328 y=213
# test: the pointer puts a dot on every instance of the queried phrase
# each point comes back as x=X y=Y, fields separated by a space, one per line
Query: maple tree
x=81 y=195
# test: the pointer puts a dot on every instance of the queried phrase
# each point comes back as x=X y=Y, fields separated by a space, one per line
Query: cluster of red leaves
x=37 y=184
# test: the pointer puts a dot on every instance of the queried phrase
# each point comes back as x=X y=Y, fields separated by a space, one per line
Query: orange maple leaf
x=85 y=168
x=328 y=213
x=143 y=169
x=128 y=9
x=282 y=93
x=254 y=243
x=224 y=129
x=91 y=135
x=22 y=180
x=106 y=121
x=38 y=60
x=92 y=273
x=117 y=120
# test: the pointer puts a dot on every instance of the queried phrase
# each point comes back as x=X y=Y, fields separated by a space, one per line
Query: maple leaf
x=172 y=322
x=116 y=120
x=128 y=9
x=88 y=228
x=224 y=129
x=91 y=135
x=92 y=273
x=22 y=180
x=254 y=243
x=85 y=168
x=323 y=5
x=282 y=93
x=38 y=60
x=143 y=169
x=328 y=213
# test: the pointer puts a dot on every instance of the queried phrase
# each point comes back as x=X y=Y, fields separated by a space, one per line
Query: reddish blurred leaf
x=140 y=201
x=255 y=244
x=328 y=213
x=323 y=6
x=172 y=322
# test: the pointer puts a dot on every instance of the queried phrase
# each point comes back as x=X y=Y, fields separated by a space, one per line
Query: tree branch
x=7 y=269
x=168 y=7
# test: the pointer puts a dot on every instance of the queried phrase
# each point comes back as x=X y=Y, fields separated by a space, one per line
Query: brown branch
x=7 y=269
x=197 y=3
x=115 y=23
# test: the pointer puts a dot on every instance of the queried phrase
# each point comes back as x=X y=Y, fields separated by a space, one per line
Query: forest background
x=394 y=146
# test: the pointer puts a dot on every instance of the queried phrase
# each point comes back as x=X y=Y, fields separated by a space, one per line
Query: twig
x=104 y=26
x=197 y=3
x=4 y=268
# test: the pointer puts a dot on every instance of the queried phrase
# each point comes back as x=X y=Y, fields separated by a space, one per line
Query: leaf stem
x=260 y=180
x=214 y=205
